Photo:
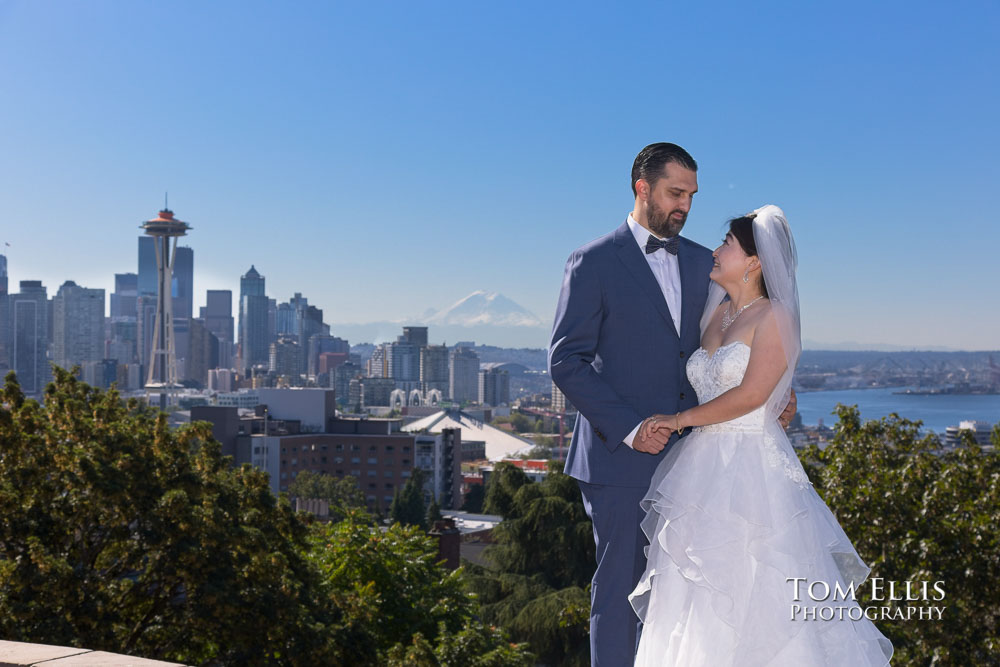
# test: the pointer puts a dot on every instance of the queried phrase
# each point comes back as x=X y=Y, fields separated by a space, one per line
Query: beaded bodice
x=714 y=375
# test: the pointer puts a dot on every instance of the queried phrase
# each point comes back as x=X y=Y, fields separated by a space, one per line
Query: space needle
x=161 y=377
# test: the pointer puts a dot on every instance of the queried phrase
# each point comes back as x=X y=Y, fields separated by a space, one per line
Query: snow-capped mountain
x=483 y=308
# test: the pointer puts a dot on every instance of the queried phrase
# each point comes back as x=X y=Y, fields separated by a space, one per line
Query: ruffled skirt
x=732 y=522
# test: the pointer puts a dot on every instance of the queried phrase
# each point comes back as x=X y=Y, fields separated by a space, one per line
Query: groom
x=627 y=320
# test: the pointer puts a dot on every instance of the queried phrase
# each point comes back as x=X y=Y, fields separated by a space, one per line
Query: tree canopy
x=916 y=512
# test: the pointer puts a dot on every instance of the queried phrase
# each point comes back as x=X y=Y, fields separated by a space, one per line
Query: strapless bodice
x=712 y=376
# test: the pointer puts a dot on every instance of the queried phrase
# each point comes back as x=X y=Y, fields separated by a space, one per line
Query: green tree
x=343 y=494
x=408 y=504
x=121 y=534
x=917 y=513
x=433 y=513
x=474 y=499
x=402 y=607
x=541 y=565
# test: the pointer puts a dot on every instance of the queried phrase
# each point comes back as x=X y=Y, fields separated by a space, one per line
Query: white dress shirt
x=667 y=271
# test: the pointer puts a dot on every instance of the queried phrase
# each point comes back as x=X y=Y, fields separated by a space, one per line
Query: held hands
x=649 y=440
x=654 y=433
x=785 y=418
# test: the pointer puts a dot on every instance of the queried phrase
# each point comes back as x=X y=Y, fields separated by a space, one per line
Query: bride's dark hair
x=742 y=230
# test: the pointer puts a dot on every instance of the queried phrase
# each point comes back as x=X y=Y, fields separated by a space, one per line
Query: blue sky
x=385 y=158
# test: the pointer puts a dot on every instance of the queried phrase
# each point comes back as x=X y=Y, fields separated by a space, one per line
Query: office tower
x=377 y=367
x=251 y=284
x=217 y=314
x=182 y=294
x=341 y=378
x=29 y=324
x=463 y=375
x=494 y=387
x=416 y=336
x=161 y=376
x=403 y=361
x=77 y=325
x=123 y=298
x=145 y=305
x=182 y=285
x=123 y=344
x=253 y=320
x=284 y=357
x=434 y=368
x=4 y=316
x=204 y=353
x=320 y=344
x=146 y=278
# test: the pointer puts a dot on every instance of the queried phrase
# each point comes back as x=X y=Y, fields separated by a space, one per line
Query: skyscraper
x=217 y=314
x=4 y=316
x=494 y=387
x=254 y=338
x=434 y=368
x=146 y=278
x=29 y=324
x=124 y=296
x=77 y=325
x=182 y=294
x=463 y=375
x=417 y=336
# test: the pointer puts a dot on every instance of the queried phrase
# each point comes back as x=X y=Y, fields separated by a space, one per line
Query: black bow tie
x=670 y=245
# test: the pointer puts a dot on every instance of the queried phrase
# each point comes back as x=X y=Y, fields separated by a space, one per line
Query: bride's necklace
x=728 y=319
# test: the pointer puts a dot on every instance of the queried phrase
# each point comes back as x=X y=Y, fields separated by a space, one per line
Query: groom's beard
x=663 y=224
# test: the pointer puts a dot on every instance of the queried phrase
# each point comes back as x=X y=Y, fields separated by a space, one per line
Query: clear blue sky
x=385 y=158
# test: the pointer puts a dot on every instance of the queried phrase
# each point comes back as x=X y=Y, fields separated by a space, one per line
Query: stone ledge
x=19 y=654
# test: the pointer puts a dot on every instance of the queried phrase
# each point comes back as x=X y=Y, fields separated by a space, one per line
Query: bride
x=730 y=515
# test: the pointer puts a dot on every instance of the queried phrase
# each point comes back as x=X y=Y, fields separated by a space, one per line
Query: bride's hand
x=659 y=423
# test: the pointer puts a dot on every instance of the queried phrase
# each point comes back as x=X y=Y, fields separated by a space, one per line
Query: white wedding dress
x=731 y=516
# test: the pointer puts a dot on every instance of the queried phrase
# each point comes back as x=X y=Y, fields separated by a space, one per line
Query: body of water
x=937 y=412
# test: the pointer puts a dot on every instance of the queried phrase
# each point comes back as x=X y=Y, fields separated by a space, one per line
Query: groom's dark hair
x=651 y=160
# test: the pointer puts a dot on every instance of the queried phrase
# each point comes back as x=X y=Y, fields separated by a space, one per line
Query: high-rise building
x=253 y=320
x=77 y=325
x=416 y=336
x=284 y=357
x=463 y=375
x=204 y=353
x=251 y=284
x=494 y=387
x=145 y=305
x=217 y=314
x=341 y=380
x=182 y=285
x=377 y=367
x=4 y=316
x=320 y=344
x=123 y=298
x=182 y=294
x=434 y=368
x=29 y=326
x=403 y=361
x=146 y=278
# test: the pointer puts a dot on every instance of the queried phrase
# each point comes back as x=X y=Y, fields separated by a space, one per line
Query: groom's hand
x=785 y=418
x=649 y=440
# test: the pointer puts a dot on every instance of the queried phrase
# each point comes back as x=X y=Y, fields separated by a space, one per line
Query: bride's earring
x=746 y=276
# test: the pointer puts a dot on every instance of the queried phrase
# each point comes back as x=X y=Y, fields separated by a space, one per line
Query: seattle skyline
x=384 y=163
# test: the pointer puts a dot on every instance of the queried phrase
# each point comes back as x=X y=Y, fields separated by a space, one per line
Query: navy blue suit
x=617 y=357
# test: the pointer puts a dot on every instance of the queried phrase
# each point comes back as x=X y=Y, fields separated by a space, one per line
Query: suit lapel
x=631 y=256
x=693 y=288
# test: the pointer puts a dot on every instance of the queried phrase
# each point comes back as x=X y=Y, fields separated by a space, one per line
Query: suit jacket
x=616 y=355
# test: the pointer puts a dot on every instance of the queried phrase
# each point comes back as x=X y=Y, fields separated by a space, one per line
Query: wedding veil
x=778 y=261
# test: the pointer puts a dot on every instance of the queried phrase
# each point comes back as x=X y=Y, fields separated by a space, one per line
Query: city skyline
x=383 y=164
